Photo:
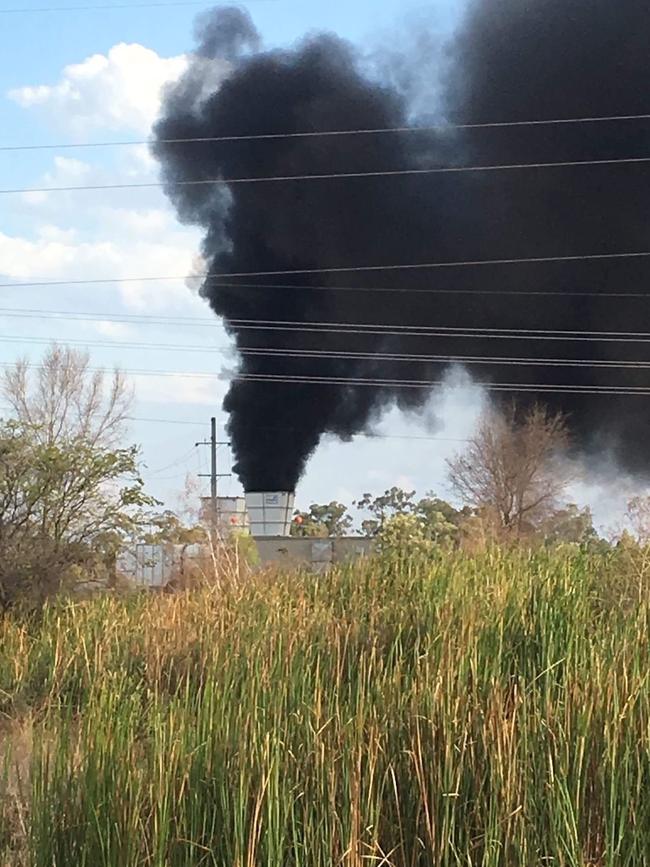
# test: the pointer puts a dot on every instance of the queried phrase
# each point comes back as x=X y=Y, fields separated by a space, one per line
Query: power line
x=445 y=359
x=327 y=327
x=364 y=435
x=373 y=436
x=559 y=388
x=427 y=384
x=377 y=436
x=119 y=344
x=139 y=371
x=420 y=266
x=460 y=333
x=185 y=457
x=342 y=355
x=184 y=422
x=167 y=421
x=439 y=170
x=171 y=4
x=122 y=318
x=409 y=266
x=569 y=293
x=441 y=127
x=359 y=327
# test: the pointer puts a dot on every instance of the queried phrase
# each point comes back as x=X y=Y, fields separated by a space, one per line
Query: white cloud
x=167 y=254
x=144 y=221
x=139 y=161
x=115 y=234
x=65 y=171
x=50 y=232
x=106 y=233
x=116 y=91
x=47 y=259
x=68 y=168
x=98 y=237
x=119 y=330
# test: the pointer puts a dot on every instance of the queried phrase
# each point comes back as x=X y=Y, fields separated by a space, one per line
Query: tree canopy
x=331 y=519
x=64 y=507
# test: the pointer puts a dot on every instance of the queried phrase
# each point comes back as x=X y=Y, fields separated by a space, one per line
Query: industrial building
x=264 y=515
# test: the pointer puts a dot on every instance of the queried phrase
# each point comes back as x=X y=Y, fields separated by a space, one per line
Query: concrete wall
x=156 y=565
x=317 y=554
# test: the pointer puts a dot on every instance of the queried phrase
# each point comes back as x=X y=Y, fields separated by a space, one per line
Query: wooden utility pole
x=213 y=475
x=213 y=470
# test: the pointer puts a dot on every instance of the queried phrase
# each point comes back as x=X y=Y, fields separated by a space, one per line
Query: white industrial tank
x=270 y=512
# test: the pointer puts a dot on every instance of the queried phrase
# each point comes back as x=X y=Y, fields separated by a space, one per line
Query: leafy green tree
x=429 y=518
x=392 y=502
x=404 y=534
x=569 y=525
x=65 y=508
x=442 y=522
x=167 y=528
x=331 y=519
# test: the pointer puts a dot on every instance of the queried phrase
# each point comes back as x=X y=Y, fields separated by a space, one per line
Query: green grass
x=489 y=710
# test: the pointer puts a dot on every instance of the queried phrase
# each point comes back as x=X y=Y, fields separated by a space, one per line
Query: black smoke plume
x=510 y=61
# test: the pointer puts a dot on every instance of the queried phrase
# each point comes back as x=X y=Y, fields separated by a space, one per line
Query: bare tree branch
x=514 y=466
x=63 y=399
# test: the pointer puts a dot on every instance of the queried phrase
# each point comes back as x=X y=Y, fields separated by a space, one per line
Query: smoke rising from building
x=509 y=61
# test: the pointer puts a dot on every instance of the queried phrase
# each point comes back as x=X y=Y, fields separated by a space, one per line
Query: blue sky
x=95 y=75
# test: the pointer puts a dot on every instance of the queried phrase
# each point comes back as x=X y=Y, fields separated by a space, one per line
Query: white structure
x=231 y=514
x=157 y=565
x=270 y=512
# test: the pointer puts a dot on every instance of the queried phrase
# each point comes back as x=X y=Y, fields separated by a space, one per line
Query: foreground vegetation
x=491 y=710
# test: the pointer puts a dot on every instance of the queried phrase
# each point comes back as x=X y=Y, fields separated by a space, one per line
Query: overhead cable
x=445 y=359
x=441 y=127
x=513 y=334
x=170 y=4
x=360 y=328
x=366 y=435
x=349 y=269
x=375 y=382
x=216 y=182
x=180 y=421
x=183 y=459
x=541 y=388
x=340 y=355
x=212 y=278
x=395 y=328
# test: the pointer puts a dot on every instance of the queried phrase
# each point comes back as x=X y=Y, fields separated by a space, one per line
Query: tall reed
x=489 y=710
